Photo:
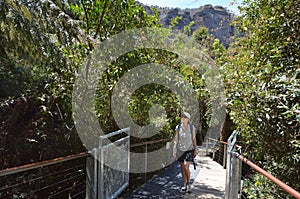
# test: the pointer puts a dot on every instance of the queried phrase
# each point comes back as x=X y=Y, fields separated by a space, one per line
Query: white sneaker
x=188 y=188
x=184 y=187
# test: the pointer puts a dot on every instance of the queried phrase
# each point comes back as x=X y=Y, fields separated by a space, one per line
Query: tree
x=42 y=44
x=262 y=77
x=219 y=52
x=202 y=36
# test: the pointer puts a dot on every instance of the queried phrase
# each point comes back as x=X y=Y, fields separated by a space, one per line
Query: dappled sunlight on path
x=208 y=181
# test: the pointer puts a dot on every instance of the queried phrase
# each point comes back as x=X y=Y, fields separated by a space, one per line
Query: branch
x=101 y=19
x=86 y=17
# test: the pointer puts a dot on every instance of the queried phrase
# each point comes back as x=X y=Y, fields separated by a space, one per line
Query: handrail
x=105 y=136
x=150 y=142
x=35 y=165
x=223 y=142
x=41 y=164
x=281 y=184
x=278 y=182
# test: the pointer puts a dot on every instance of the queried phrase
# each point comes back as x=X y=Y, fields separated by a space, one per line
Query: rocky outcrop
x=215 y=18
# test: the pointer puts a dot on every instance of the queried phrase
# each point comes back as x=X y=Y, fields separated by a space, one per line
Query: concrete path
x=208 y=181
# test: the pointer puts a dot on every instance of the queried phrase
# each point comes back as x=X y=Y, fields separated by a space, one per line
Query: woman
x=185 y=148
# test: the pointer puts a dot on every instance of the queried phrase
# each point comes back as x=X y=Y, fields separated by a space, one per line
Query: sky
x=194 y=3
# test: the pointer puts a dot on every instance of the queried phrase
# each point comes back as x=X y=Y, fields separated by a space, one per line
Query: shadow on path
x=166 y=184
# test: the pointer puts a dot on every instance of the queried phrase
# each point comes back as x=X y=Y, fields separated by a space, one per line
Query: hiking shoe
x=184 y=188
x=188 y=188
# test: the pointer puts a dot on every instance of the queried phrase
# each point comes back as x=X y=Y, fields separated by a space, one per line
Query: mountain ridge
x=216 y=19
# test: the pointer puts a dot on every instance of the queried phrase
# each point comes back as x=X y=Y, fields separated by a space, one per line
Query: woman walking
x=185 y=148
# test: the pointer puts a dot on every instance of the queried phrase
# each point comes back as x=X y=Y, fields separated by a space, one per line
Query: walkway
x=208 y=181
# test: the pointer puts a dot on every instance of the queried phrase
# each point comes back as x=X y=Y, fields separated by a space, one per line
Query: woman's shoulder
x=177 y=127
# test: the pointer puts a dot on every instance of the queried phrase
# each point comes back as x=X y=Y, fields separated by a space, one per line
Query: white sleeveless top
x=185 y=140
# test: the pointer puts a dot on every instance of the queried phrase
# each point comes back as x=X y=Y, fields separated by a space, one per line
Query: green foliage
x=103 y=19
x=202 y=36
x=219 y=52
x=259 y=187
x=143 y=99
x=42 y=45
x=187 y=29
x=35 y=44
x=262 y=78
x=174 y=21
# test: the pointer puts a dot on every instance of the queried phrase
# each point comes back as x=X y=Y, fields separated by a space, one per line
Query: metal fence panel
x=105 y=181
x=115 y=180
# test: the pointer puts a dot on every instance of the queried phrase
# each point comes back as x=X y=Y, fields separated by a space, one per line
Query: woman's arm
x=175 y=144
x=194 y=142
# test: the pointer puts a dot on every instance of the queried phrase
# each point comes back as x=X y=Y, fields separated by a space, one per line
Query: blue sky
x=231 y=5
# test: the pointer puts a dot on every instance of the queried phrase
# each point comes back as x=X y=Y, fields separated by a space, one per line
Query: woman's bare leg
x=187 y=172
x=183 y=172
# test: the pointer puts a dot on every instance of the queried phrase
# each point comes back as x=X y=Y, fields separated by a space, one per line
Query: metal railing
x=74 y=176
x=235 y=163
x=146 y=145
x=278 y=182
x=57 y=178
x=218 y=150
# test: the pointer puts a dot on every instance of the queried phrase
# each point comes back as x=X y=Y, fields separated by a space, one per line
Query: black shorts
x=185 y=156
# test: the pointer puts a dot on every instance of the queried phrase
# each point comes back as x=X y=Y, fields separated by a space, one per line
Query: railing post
x=91 y=177
x=146 y=161
x=232 y=171
x=236 y=177
x=225 y=156
x=207 y=140
x=213 y=149
x=101 y=169
x=239 y=176
x=228 y=171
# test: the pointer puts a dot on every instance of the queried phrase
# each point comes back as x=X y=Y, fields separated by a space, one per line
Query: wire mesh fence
x=108 y=168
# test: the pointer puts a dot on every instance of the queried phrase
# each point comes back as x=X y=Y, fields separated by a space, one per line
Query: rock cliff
x=215 y=18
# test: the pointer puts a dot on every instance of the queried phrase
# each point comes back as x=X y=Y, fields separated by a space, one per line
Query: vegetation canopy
x=45 y=43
